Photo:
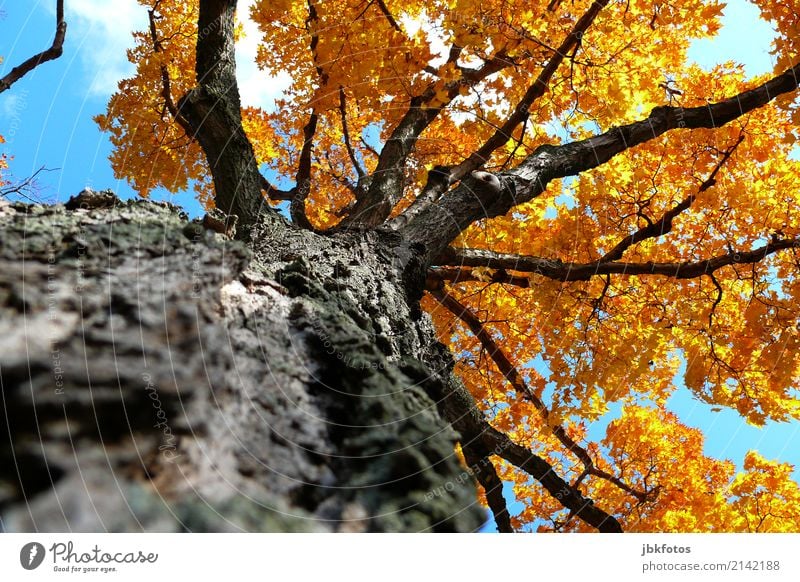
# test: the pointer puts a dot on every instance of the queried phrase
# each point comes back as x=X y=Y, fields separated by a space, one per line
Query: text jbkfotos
x=665 y=549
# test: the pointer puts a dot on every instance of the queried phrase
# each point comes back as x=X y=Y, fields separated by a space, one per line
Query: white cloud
x=12 y=105
x=257 y=88
x=101 y=31
x=104 y=29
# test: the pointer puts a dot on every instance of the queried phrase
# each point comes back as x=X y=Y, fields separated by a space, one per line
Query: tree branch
x=387 y=185
x=484 y=471
x=23 y=187
x=482 y=197
x=166 y=84
x=169 y=102
x=516 y=380
x=272 y=192
x=458 y=258
x=389 y=18
x=213 y=111
x=56 y=50
x=569 y=271
x=664 y=224
x=569 y=496
x=303 y=177
x=346 y=134
x=439 y=276
x=302 y=187
x=458 y=407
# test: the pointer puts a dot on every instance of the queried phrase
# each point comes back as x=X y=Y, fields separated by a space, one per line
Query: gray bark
x=213 y=111
x=157 y=376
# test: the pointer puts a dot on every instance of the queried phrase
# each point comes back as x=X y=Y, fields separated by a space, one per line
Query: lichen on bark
x=159 y=377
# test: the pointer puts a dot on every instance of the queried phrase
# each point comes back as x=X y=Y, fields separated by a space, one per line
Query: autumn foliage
x=686 y=244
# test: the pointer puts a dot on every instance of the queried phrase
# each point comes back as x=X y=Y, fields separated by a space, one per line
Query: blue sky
x=47 y=121
x=46 y=117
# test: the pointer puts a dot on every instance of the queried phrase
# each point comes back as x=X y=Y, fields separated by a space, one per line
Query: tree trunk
x=157 y=376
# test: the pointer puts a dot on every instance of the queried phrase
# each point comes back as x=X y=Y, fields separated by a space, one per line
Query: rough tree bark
x=157 y=376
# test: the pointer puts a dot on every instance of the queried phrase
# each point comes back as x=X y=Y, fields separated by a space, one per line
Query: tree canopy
x=600 y=215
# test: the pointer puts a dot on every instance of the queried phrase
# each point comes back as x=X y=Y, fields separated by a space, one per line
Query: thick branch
x=387 y=185
x=569 y=496
x=438 y=277
x=516 y=380
x=387 y=13
x=56 y=50
x=438 y=224
x=459 y=408
x=169 y=103
x=213 y=111
x=303 y=177
x=272 y=192
x=486 y=474
x=569 y=271
x=302 y=187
